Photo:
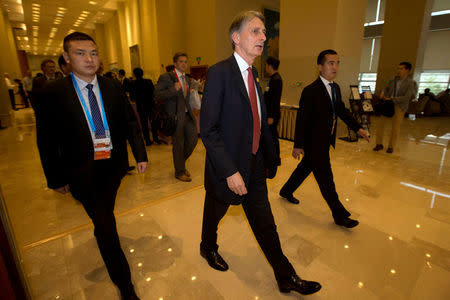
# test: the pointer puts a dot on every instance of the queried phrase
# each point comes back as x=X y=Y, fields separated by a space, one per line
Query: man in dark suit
x=141 y=92
x=83 y=123
x=48 y=68
x=319 y=107
x=173 y=90
x=272 y=97
x=240 y=152
x=124 y=81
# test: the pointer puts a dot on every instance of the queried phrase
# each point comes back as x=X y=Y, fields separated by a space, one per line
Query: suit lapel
x=74 y=103
x=238 y=79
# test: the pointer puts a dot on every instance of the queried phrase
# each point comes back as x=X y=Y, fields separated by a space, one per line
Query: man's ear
x=66 y=57
x=235 y=37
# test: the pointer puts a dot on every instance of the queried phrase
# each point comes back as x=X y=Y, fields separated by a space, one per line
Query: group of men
x=84 y=121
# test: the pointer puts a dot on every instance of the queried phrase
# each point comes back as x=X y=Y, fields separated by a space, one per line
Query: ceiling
x=39 y=26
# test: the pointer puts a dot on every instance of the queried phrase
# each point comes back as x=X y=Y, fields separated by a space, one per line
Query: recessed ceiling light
x=92 y=2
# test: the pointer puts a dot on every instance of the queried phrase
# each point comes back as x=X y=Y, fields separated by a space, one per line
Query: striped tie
x=95 y=112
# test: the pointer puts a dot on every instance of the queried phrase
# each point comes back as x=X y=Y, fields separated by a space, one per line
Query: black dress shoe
x=294 y=283
x=378 y=147
x=346 y=222
x=390 y=150
x=214 y=259
x=289 y=197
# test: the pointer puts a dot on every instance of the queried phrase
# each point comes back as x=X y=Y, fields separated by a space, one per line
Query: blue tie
x=95 y=113
x=333 y=99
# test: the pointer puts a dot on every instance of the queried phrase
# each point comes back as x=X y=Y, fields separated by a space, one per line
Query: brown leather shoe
x=183 y=177
x=187 y=173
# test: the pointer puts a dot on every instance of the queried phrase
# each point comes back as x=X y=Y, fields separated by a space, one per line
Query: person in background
x=48 y=68
x=401 y=90
x=64 y=66
x=272 y=97
x=10 y=86
x=27 y=82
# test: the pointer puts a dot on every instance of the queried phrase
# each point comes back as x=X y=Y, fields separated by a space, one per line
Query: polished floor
x=401 y=249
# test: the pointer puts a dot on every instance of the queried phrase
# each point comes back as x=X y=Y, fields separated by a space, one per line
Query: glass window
x=367 y=79
x=435 y=81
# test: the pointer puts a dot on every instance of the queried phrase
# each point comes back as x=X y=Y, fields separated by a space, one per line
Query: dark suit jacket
x=272 y=97
x=315 y=119
x=63 y=135
x=173 y=101
x=142 y=92
x=37 y=89
x=226 y=128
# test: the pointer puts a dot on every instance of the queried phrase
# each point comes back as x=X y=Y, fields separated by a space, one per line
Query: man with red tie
x=240 y=153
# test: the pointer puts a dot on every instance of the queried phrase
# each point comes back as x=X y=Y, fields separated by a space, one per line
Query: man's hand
x=296 y=153
x=177 y=85
x=63 y=190
x=364 y=134
x=142 y=166
x=270 y=121
x=236 y=184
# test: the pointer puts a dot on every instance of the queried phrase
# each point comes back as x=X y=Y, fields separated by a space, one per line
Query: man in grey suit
x=173 y=90
x=401 y=89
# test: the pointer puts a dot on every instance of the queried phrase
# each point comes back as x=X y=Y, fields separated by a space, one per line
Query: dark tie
x=254 y=105
x=95 y=113
x=333 y=99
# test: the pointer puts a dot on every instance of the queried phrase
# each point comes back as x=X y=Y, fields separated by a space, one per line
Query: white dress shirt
x=327 y=85
x=85 y=93
x=243 y=67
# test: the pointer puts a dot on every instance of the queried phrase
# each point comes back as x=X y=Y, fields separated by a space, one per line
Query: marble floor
x=400 y=250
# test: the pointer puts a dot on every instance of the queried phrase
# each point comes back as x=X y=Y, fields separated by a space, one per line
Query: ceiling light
x=92 y=2
x=62 y=8
x=35 y=4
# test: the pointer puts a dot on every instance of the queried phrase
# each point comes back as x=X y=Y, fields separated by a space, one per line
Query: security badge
x=102 y=148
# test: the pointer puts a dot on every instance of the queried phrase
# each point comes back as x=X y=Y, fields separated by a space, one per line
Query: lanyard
x=83 y=103
x=185 y=83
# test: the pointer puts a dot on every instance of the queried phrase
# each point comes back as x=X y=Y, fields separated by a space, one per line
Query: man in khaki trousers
x=400 y=90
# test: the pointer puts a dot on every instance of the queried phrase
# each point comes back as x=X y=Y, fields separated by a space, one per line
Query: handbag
x=385 y=108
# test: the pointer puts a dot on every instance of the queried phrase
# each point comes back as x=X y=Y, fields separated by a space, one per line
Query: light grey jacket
x=407 y=91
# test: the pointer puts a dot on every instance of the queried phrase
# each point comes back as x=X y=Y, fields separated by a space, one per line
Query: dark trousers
x=11 y=97
x=321 y=168
x=96 y=188
x=184 y=142
x=274 y=131
x=259 y=214
x=144 y=116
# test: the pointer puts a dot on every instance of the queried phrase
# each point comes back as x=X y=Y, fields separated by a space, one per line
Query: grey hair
x=241 y=20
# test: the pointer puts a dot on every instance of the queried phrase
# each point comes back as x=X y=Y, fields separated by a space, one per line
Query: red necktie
x=254 y=105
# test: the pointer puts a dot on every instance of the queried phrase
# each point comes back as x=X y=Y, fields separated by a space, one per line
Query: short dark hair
x=61 y=61
x=273 y=61
x=406 y=64
x=138 y=72
x=241 y=19
x=76 y=36
x=178 y=55
x=322 y=56
x=46 y=61
x=122 y=72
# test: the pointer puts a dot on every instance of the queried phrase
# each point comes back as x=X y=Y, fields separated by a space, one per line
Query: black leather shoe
x=214 y=259
x=346 y=222
x=378 y=147
x=295 y=283
x=390 y=150
x=289 y=197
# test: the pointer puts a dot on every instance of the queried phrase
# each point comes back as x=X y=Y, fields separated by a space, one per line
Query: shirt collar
x=82 y=83
x=326 y=82
x=179 y=73
x=242 y=64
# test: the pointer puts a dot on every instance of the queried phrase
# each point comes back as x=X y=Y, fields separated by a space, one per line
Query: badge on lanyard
x=102 y=144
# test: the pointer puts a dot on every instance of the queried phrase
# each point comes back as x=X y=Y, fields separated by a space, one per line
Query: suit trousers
x=96 y=188
x=12 y=98
x=397 y=119
x=184 y=142
x=274 y=131
x=320 y=165
x=144 y=118
x=259 y=214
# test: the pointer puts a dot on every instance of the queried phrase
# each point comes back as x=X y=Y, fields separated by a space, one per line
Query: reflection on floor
x=399 y=251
